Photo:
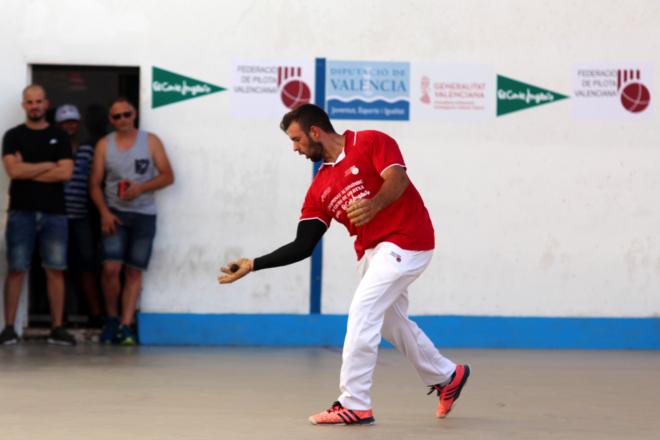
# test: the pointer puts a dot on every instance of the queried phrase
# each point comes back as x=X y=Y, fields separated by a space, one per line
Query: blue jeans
x=132 y=243
x=25 y=229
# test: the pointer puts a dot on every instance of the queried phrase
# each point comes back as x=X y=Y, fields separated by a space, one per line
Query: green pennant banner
x=513 y=96
x=169 y=87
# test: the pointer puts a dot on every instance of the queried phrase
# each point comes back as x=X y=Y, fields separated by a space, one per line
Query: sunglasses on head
x=118 y=116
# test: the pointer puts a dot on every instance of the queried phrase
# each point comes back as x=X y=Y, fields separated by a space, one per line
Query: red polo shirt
x=357 y=174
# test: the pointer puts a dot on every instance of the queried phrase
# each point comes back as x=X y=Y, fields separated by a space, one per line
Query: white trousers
x=380 y=307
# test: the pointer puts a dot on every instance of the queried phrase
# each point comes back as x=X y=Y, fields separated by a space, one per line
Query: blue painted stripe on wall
x=319 y=89
x=316 y=279
x=444 y=331
x=316 y=262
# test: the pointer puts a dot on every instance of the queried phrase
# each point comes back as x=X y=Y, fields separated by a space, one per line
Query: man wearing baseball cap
x=83 y=239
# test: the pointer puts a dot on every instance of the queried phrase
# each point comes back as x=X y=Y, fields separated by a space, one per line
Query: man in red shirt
x=363 y=185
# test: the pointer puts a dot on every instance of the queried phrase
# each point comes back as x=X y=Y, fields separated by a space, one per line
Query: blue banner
x=367 y=90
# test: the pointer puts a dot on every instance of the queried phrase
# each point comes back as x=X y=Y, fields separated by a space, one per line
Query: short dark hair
x=122 y=99
x=307 y=115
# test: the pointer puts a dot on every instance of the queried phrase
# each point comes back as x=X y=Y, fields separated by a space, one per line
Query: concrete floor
x=178 y=393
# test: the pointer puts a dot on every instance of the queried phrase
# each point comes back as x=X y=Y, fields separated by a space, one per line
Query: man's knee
x=111 y=271
x=132 y=274
x=15 y=276
x=54 y=274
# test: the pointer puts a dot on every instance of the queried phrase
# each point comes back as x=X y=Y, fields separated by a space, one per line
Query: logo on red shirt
x=352 y=170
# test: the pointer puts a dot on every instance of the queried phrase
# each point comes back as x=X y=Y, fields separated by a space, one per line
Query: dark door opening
x=90 y=89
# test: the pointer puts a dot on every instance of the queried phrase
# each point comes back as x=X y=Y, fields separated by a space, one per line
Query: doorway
x=90 y=89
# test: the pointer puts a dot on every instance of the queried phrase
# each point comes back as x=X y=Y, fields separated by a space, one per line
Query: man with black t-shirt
x=37 y=158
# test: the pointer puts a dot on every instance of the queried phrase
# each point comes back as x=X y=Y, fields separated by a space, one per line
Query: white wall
x=535 y=213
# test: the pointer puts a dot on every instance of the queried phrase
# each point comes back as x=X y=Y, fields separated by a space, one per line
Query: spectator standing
x=37 y=157
x=135 y=165
x=83 y=236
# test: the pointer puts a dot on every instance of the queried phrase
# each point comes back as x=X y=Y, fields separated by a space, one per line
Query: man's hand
x=134 y=191
x=362 y=211
x=234 y=270
x=395 y=181
x=109 y=223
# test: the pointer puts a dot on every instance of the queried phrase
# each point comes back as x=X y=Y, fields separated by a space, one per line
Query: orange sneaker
x=449 y=393
x=338 y=415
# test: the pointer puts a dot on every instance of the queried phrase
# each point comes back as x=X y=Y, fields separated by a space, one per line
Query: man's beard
x=36 y=116
x=316 y=151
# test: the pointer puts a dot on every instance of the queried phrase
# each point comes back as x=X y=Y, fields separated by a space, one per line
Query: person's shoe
x=338 y=415
x=59 y=336
x=125 y=336
x=8 y=336
x=449 y=393
x=109 y=331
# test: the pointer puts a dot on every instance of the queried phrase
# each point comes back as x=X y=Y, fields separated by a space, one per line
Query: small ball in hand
x=234 y=267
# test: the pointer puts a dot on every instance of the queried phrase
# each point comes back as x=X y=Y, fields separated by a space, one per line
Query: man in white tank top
x=135 y=165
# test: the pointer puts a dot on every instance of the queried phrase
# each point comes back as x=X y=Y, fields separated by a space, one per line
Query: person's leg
x=56 y=295
x=114 y=250
x=89 y=285
x=84 y=246
x=111 y=286
x=53 y=243
x=436 y=371
x=113 y=256
x=408 y=338
x=13 y=285
x=20 y=238
x=12 y=293
x=130 y=294
x=53 y=246
x=138 y=253
x=390 y=271
x=139 y=248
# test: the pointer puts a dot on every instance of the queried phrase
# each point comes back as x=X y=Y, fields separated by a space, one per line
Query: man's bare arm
x=61 y=173
x=19 y=170
x=109 y=221
x=96 y=177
